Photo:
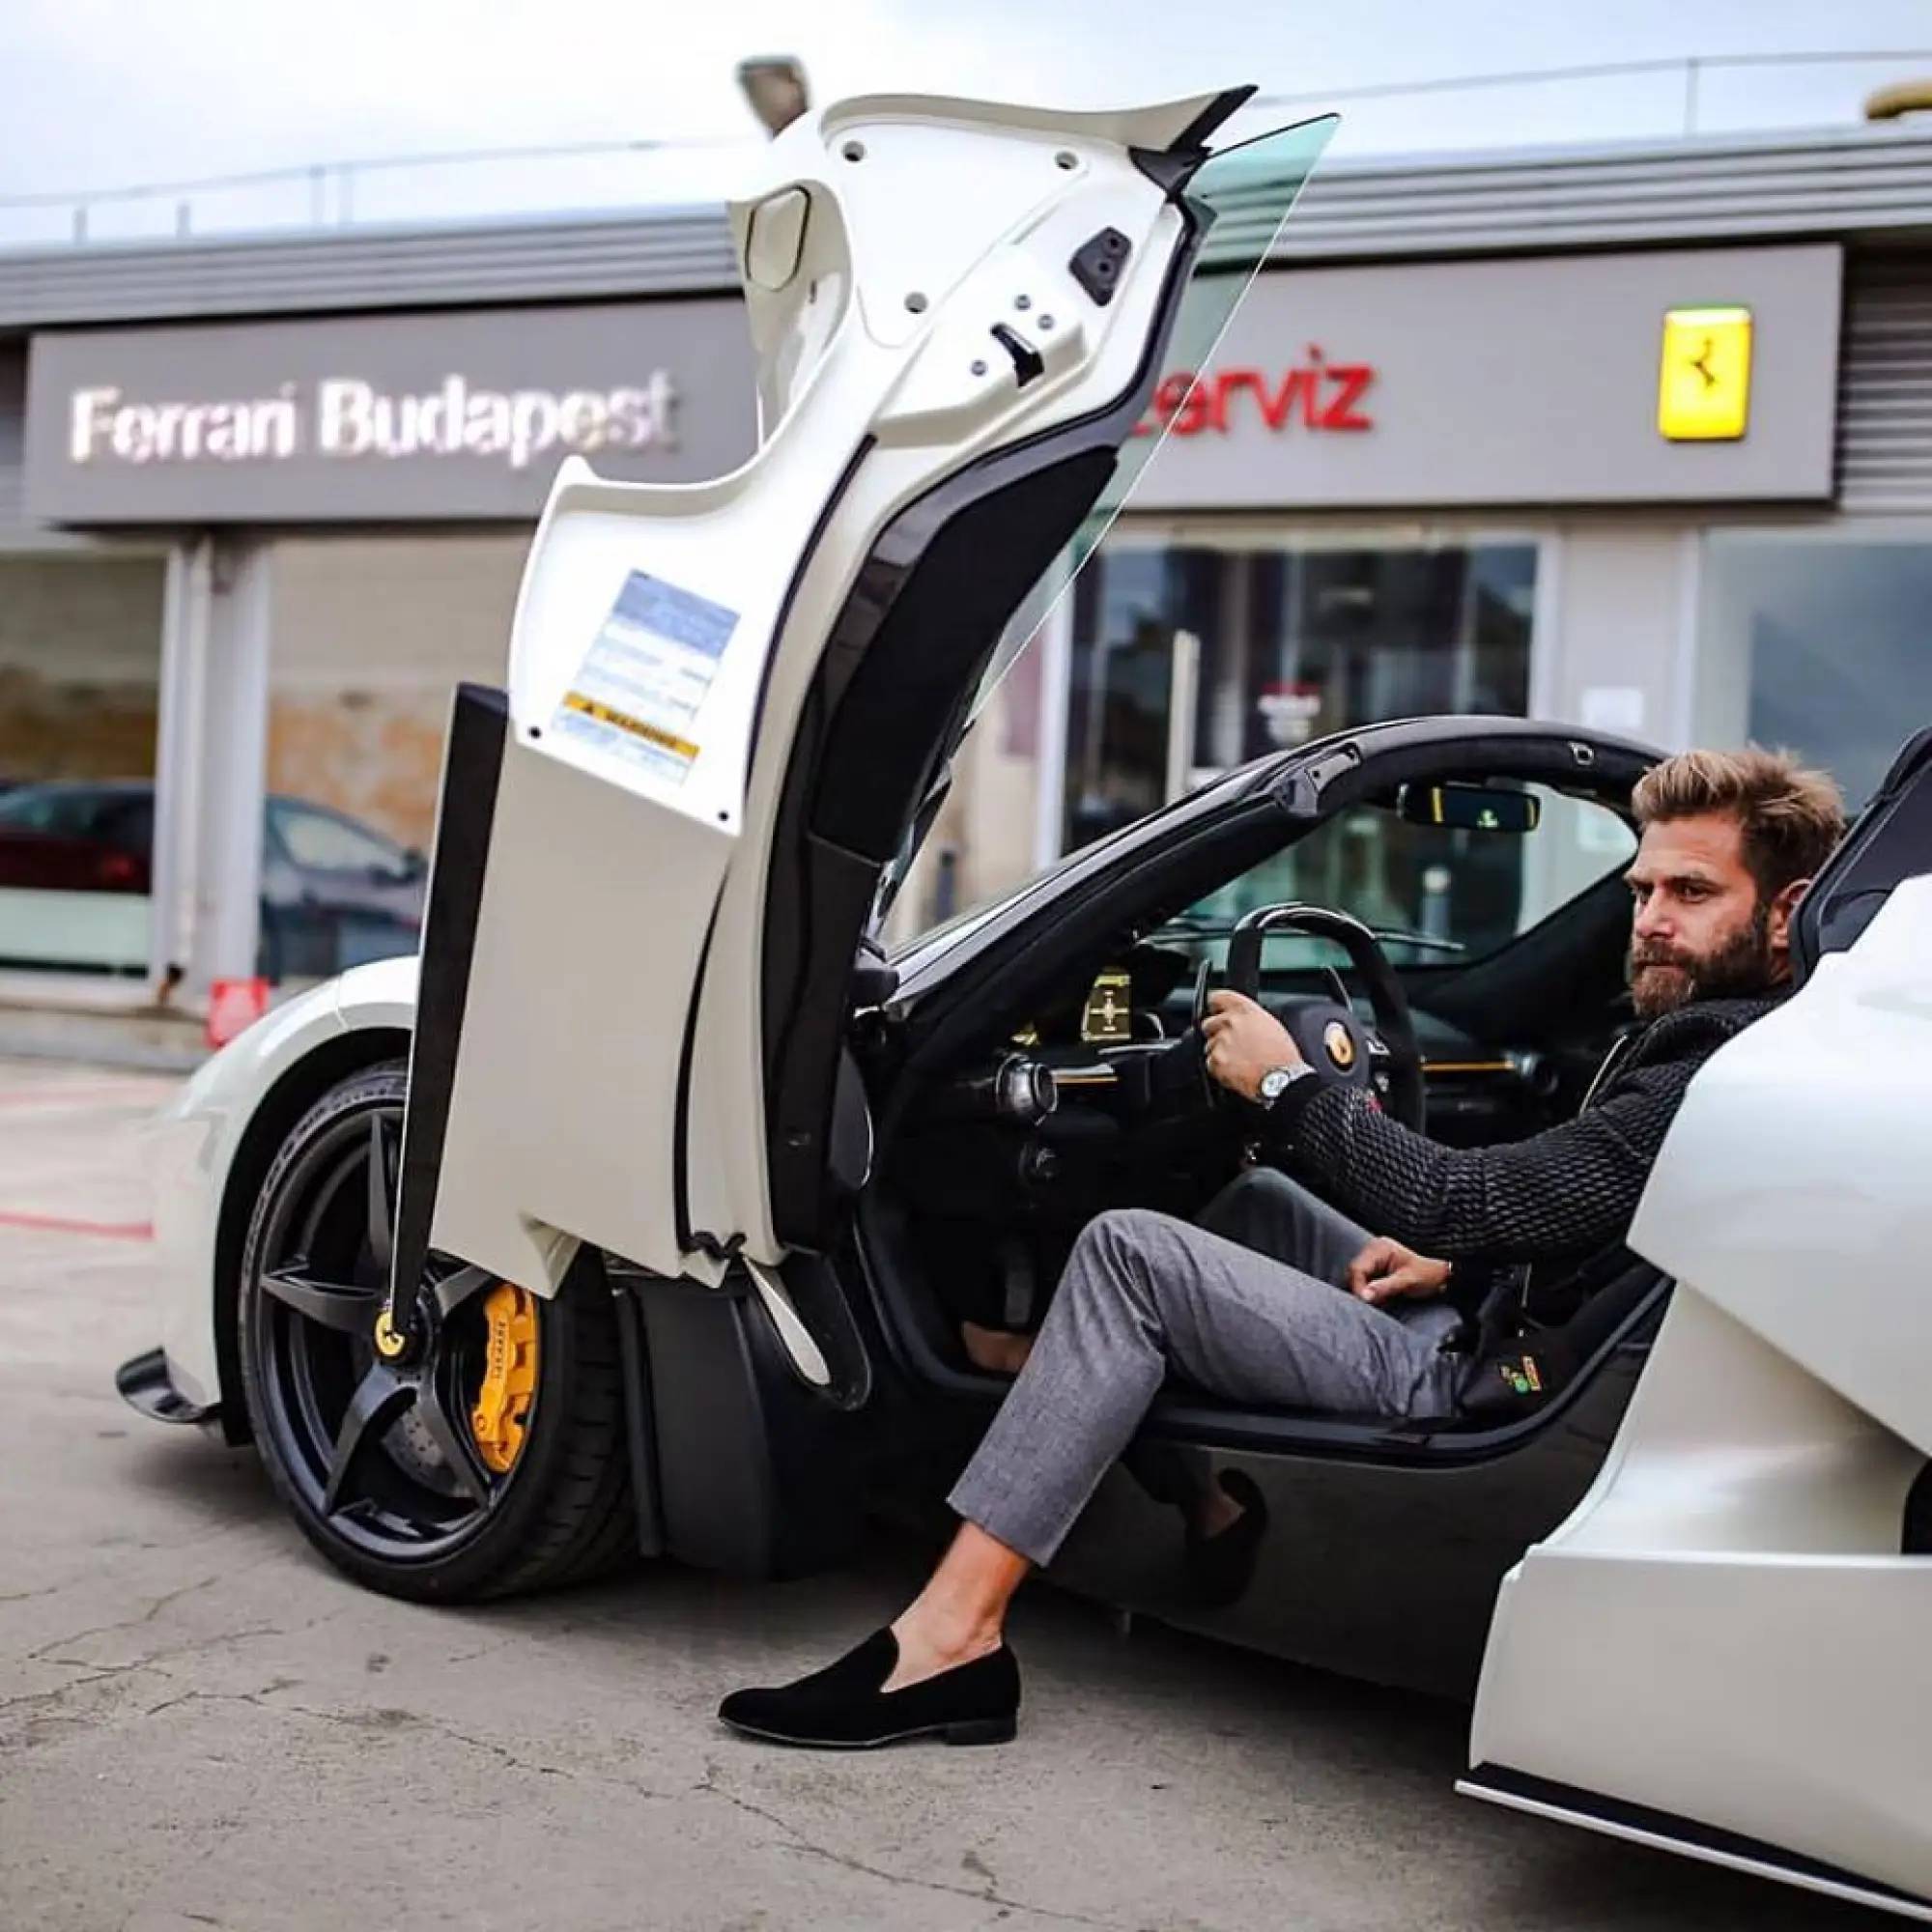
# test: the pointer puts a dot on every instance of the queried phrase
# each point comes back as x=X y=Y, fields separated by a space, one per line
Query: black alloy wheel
x=484 y=1456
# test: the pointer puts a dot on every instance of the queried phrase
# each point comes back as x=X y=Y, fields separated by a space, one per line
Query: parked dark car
x=335 y=893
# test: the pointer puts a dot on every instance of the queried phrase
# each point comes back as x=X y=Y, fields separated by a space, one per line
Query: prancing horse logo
x=1340 y=1044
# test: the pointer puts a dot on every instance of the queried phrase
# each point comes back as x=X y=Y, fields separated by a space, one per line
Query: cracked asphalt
x=202 y=1725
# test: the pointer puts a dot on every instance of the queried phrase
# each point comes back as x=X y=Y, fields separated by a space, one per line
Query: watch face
x=1274 y=1083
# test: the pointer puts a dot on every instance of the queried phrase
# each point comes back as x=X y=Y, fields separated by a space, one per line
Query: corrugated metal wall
x=1885 y=385
x=1847 y=182
x=323 y=273
x=1863 y=183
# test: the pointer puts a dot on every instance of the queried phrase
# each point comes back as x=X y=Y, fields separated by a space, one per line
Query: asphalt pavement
x=201 y=1725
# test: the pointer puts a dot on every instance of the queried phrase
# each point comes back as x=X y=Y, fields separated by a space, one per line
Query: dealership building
x=1637 y=438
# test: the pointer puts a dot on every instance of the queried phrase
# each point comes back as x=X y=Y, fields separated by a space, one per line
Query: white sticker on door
x=639 y=691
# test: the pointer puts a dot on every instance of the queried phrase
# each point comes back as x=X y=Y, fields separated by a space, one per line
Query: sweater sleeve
x=1574 y=1187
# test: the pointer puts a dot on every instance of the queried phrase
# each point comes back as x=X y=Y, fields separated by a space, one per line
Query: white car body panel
x=617 y=895
x=189 y=1150
x=1726 y=1629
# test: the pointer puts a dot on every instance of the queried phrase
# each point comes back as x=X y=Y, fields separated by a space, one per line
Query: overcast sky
x=107 y=94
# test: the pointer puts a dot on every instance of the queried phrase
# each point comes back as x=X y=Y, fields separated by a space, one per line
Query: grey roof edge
x=1857 y=183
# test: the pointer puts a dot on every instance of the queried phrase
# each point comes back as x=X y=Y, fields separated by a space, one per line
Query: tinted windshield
x=1433 y=894
x=1437 y=895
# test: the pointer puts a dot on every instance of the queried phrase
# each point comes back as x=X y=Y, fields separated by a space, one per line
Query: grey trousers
x=1250 y=1304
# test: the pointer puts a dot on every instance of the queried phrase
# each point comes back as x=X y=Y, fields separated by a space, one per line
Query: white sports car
x=636 y=1218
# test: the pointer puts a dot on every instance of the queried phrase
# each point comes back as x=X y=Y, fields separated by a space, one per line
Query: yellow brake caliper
x=509 y=1377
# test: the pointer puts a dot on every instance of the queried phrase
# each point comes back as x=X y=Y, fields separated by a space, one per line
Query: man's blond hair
x=1790 y=816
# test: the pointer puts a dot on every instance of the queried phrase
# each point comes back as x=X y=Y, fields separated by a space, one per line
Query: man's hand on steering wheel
x=1243 y=1042
x=1235 y=1040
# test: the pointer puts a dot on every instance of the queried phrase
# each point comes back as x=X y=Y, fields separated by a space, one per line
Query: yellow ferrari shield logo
x=1339 y=1044
x=1703 y=392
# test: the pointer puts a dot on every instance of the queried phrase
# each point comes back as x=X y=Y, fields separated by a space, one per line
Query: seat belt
x=1620 y=1047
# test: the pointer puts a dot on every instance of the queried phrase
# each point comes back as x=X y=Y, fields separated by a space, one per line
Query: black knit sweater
x=1557 y=1199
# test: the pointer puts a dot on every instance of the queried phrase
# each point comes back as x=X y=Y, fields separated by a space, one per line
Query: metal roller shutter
x=1885 y=385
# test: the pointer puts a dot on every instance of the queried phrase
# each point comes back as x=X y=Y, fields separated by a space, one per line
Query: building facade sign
x=1525 y=381
x=1314 y=396
x=1532 y=381
x=456 y=416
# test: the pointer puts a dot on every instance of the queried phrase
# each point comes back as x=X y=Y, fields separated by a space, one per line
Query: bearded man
x=1390 y=1286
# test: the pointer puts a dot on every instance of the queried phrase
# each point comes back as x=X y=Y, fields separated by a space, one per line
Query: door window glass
x=321 y=842
x=1244 y=193
x=1818 y=646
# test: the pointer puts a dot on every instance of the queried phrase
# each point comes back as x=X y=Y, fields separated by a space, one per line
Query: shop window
x=1816 y=645
x=1294 y=642
x=371 y=633
x=80 y=646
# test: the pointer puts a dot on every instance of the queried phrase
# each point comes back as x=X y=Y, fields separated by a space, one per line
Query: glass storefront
x=1292 y=641
x=80 y=659
x=1817 y=641
x=370 y=636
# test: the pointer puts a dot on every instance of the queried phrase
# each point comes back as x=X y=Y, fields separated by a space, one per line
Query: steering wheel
x=1383 y=1059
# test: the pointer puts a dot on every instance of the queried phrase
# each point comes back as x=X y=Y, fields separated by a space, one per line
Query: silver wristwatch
x=1277 y=1080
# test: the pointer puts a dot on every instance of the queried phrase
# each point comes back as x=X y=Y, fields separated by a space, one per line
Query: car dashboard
x=1095 y=1101
x=1478 y=1091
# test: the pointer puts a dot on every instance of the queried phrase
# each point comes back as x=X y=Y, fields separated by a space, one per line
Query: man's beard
x=1664 y=978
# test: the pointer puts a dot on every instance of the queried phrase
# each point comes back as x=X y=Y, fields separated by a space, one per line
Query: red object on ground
x=59 y=1224
x=232 y=1007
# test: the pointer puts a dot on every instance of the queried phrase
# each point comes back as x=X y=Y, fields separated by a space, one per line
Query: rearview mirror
x=1468 y=808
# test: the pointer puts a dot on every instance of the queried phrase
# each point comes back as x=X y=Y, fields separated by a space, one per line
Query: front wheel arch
x=299 y=1089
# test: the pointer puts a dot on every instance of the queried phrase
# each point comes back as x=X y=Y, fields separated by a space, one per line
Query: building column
x=211 y=761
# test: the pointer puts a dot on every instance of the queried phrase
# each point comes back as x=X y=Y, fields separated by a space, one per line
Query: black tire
x=413 y=1511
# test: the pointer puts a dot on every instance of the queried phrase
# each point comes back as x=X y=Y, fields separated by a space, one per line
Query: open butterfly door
x=660 y=848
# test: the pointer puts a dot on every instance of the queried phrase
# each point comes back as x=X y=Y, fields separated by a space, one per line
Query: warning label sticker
x=637 y=693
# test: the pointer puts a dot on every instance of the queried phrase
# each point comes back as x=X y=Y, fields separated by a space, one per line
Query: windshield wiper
x=1426 y=941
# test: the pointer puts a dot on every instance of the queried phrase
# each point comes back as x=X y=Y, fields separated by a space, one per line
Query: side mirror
x=1469 y=808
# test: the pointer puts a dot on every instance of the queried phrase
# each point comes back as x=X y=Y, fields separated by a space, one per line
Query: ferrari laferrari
x=637 y=1217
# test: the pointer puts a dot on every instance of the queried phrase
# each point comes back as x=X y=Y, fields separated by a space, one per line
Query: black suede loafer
x=845 y=1707
x=1221 y=1567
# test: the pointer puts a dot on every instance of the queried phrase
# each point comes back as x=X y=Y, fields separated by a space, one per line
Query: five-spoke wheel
x=474 y=1449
